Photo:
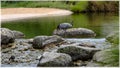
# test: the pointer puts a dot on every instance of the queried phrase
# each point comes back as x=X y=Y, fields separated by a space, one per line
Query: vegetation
x=113 y=58
x=75 y=6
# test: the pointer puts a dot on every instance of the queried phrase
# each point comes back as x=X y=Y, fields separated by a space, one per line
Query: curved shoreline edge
x=42 y=12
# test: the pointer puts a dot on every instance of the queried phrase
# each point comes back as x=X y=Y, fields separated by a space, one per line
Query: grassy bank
x=113 y=58
x=75 y=6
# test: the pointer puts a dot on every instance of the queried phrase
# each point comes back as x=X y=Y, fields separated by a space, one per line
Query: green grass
x=34 y=4
x=112 y=57
x=75 y=6
x=80 y=6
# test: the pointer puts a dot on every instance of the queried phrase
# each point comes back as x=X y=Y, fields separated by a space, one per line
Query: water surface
x=101 y=24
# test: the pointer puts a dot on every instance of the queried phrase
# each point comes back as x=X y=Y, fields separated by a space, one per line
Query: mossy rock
x=113 y=38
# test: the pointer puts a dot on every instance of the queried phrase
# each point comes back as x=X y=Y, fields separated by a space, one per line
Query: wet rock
x=51 y=59
x=42 y=41
x=75 y=32
x=78 y=52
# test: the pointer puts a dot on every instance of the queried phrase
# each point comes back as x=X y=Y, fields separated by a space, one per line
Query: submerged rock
x=78 y=52
x=42 y=41
x=75 y=32
x=51 y=59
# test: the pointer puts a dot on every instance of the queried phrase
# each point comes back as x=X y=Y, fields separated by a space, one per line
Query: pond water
x=101 y=24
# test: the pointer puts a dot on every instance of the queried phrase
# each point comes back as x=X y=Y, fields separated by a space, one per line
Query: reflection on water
x=102 y=24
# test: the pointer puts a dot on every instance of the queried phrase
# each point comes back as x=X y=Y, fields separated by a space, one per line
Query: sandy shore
x=10 y=14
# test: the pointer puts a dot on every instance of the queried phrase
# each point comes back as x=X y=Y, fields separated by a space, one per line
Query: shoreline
x=11 y=14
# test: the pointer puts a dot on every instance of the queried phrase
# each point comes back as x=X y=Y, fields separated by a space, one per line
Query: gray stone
x=8 y=36
x=94 y=64
x=78 y=52
x=18 y=34
x=42 y=41
x=51 y=59
x=64 y=26
x=75 y=32
x=102 y=56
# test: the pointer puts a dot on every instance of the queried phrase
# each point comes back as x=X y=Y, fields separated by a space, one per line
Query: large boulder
x=42 y=41
x=9 y=36
x=51 y=59
x=75 y=32
x=78 y=52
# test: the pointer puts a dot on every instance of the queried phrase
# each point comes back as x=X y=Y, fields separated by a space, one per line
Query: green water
x=101 y=24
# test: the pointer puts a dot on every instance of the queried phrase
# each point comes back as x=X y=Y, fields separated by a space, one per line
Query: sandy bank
x=10 y=14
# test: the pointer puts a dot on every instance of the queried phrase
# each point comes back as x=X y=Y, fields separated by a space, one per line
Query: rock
x=107 y=57
x=78 y=52
x=64 y=26
x=100 y=56
x=51 y=59
x=8 y=36
x=5 y=40
x=75 y=32
x=10 y=33
x=87 y=45
x=18 y=34
x=113 y=37
x=79 y=63
x=42 y=41
x=94 y=64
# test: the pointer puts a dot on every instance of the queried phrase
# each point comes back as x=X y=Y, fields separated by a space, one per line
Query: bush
x=80 y=6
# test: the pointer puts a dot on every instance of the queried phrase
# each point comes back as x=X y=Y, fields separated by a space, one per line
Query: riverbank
x=55 y=51
x=10 y=14
x=74 y=6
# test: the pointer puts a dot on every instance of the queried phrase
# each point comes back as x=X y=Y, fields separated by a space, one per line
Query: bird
x=65 y=26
